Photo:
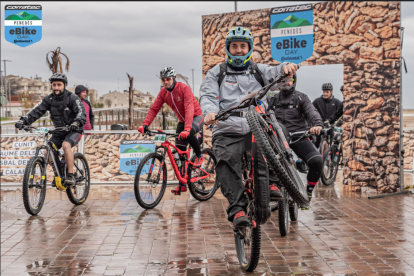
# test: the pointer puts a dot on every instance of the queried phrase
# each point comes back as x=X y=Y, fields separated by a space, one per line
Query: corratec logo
x=291 y=31
x=23 y=24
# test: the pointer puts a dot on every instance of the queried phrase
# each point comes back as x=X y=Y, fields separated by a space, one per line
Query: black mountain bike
x=34 y=180
x=275 y=148
x=331 y=158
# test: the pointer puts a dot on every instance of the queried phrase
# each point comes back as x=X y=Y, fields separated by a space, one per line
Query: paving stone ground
x=110 y=234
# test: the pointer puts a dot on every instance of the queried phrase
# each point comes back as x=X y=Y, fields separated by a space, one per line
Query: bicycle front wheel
x=79 y=192
x=270 y=147
x=150 y=181
x=330 y=166
x=34 y=192
x=203 y=189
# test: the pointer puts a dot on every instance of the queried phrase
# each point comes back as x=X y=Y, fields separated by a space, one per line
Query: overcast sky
x=104 y=40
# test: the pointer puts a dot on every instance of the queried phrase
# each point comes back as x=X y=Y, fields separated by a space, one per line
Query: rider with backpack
x=223 y=87
x=294 y=110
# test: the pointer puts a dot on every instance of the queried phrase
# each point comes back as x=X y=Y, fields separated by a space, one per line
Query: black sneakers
x=70 y=180
x=301 y=166
x=240 y=220
x=275 y=193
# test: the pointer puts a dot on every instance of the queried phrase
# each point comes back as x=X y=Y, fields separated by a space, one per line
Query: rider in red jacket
x=187 y=109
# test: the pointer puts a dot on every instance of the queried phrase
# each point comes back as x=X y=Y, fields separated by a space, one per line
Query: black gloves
x=20 y=124
x=74 y=126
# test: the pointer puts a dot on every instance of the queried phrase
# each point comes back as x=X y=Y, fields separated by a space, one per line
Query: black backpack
x=296 y=103
x=254 y=70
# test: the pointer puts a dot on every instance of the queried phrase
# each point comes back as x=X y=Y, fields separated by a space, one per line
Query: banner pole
x=401 y=119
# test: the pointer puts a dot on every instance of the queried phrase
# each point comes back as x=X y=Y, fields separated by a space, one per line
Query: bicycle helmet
x=168 y=72
x=287 y=89
x=59 y=77
x=239 y=34
x=327 y=86
x=342 y=88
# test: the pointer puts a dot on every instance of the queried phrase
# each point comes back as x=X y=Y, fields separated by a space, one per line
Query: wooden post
x=131 y=104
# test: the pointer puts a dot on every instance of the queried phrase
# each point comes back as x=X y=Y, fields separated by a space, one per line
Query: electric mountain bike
x=151 y=176
x=34 y=180
x=332 y=157
x=273 y=145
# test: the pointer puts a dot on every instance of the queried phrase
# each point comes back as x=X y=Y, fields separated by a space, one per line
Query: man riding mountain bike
x=223 y=87
x=187 y=109
x=65 y=109
x=293 y=109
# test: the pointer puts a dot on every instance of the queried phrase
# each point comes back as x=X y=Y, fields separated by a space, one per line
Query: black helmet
x=342 y=88
x=287 y=89
x=327 y=86
x=168 y=72
x=59 y=77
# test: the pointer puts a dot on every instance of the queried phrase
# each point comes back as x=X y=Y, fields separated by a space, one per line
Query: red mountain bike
x=151 y=176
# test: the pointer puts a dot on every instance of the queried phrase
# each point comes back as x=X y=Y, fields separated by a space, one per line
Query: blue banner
x=132 y=153
x=23 y=24
x=291 y=33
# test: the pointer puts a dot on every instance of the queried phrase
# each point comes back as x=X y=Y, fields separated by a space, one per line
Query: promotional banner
x=132 y=153
x=291 y=32
x=365 y=36
x=23 y=24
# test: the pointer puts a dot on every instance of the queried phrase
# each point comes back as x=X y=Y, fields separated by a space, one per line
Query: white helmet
x=168 y=72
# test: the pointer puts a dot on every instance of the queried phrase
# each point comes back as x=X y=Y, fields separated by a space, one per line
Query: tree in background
x=55 y=63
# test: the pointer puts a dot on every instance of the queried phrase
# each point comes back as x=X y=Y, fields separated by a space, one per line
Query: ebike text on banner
x=23 y=24
x=291 y=32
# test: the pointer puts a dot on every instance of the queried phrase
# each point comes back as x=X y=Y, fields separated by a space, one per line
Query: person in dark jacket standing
x=82 y=92
x=292 y=109
x=328 y=107
x=65 y=109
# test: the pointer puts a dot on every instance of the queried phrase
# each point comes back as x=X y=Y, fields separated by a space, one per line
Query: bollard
x=119 y=117
x=16 y=130
x=99 y=119
x=123 y=116
x=106 y=118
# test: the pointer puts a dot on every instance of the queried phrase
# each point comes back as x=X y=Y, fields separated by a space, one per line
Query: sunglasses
x=166 y=79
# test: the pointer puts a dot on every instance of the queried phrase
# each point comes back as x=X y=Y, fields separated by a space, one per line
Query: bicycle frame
x=167 y=150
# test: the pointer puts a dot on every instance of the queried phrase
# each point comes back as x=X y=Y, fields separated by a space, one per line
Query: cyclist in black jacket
x=292 y=109
x=65 y=109
x=329 y=108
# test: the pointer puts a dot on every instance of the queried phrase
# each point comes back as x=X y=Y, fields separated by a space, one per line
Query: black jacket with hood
x=78 y=90
x=294 y=119
x=330 y=109
x=64 y=110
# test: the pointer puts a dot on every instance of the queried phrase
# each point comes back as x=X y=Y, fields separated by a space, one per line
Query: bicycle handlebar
x=224 y=115
x=160 y=132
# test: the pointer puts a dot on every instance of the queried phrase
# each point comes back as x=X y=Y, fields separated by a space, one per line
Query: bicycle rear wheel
x=34 y=192
x=78 y=193
x=271 y=148
x=330 y=166
x=203 y=189
x=150 y=181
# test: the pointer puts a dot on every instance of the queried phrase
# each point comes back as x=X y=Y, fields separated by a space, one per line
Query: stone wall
x=409 y=149
x=365 y=37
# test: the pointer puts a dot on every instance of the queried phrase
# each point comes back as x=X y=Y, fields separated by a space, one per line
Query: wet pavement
x=342 y=234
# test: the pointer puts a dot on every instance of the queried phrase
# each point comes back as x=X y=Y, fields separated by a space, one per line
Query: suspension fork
x=279 y=132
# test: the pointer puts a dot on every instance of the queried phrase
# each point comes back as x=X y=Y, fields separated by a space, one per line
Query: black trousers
x=306 y=151
x=192 y=139
x=229 y=150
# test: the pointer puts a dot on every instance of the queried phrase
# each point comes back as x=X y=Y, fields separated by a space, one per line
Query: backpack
x=254 y=70
x=296 y=103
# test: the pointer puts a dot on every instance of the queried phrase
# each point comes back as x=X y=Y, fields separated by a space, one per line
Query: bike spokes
x=35 y=185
